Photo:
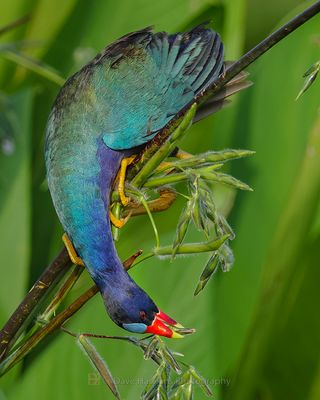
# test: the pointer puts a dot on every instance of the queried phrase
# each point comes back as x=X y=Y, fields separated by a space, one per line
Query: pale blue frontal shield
x=135 y=327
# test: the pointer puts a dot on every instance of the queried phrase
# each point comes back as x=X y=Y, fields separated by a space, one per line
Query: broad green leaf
x=15 y=208
x=280 y=280
x=277 y=128
x=47 y=19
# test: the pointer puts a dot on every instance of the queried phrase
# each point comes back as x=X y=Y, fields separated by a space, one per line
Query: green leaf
x=210 y=268
x=169 y=358
x=182 y=228
x=15 y=206
x=310 y=76
x=201 y=381
x=99 y=363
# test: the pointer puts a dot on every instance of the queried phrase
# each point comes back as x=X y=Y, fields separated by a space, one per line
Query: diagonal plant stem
x=33 y=65
x=144 y=202
x=15 y=24
x=48 y=313
x=57 y=321
x=61 y=294
x=52 y=326
x=59 y=266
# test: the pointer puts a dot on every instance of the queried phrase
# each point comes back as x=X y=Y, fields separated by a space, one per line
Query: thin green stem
x=188 y=248
x=45 y=317
x=155 y=230
x=165 y=180
x=33 y=65
x=15 y=24
x=116 y=211
x=19 y=319
x=204 y=173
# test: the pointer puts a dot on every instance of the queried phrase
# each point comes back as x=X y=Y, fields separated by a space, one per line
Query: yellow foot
x=118 y=223
x=164 y=166
x=183 y=155
x=71 y=250
x=122 y=177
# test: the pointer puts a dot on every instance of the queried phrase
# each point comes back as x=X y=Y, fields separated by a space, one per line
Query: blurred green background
x=258 y=328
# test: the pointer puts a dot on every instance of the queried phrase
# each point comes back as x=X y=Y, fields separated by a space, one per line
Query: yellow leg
x=118 y=223
x=71 y=250
x=122 y=177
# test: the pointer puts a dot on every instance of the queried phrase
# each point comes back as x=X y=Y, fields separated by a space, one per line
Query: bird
x=113 y=106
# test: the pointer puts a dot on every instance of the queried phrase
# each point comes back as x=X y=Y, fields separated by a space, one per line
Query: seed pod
x=177 y=395
x=188 y=391
x=169 y=358
x=196 y=213
x=182 y=228
x=226 y=228
x=310 y=75
x=205 y=220
x=226 y=179
x=210 y=157
x=161 y=393
x=210 y=268
x=194 y=202
x=199 y=208
x=151 y=348
x=165 y=376
x=229 y=154
x=150 y=391
x=182 y=380
x=226 y=257
x=201 y=381
x=99 y=364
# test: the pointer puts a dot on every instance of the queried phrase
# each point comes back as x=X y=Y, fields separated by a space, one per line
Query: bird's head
x=136 y=312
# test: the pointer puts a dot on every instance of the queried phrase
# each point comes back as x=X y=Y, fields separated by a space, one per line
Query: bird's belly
x=80 y=175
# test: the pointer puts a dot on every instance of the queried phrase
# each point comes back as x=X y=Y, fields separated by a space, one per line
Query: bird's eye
x=143 y=315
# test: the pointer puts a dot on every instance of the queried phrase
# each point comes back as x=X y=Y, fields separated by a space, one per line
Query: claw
x=118 y=222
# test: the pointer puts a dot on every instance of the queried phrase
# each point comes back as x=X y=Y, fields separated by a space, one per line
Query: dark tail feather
x=220 y=99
